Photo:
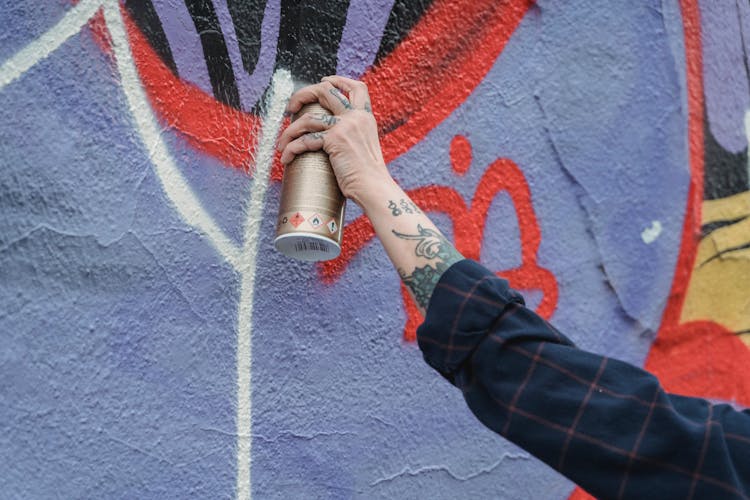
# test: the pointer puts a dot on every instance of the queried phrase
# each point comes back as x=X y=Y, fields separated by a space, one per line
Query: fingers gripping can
x=311 y=212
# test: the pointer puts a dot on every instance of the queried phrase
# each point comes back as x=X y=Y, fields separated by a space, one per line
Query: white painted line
x=178 y=190
x=281 y=89
x=71 y=23
x=651 y=233
x=174 y=184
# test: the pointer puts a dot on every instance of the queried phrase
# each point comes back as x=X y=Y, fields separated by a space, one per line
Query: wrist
x=372 y=197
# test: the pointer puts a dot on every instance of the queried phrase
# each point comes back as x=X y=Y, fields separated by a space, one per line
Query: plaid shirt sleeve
x=605 y=424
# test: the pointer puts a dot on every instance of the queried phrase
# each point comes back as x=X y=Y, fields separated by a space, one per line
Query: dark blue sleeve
x=607 y=425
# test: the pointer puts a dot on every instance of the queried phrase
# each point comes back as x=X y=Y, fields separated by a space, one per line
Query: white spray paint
x=177 y=189
x=71 y=23
x=281 y=90
x=174 y=184
x=651 y=233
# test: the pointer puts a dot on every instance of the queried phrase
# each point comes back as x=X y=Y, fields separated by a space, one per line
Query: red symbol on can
x=331 y=225
x=316 y=220
x=297 y=219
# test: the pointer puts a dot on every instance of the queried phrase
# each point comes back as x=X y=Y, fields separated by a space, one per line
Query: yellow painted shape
x=730 y=208
x=719 y=288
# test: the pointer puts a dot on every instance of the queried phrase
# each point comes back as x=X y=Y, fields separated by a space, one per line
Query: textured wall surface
x=154 y=345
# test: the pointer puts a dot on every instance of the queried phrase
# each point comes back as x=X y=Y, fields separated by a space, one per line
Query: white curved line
x=174 y=184
x=69 y=25
x=177 y=189
x=281 y=90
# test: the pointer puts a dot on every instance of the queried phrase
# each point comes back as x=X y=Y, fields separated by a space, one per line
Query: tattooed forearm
x=341 y=97
x=434 y=247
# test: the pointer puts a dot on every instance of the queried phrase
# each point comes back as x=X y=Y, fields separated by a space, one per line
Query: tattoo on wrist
x=341 y=97
x=407 y=207
x=368 y=107
x=434 y=247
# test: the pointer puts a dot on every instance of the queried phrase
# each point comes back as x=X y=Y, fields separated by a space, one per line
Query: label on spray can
x=311 y=211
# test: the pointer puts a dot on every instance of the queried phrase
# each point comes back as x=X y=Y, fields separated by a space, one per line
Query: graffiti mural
x=155 y=345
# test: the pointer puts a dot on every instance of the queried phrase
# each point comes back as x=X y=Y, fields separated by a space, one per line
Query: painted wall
x=154 y=345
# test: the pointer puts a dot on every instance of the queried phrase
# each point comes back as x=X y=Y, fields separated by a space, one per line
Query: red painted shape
x=100 y=32
x=579 y=494
x=208 y=125
x=437 y=66
x=460 y=153
x=403 y=85
x=468 y=230
x=704 y=359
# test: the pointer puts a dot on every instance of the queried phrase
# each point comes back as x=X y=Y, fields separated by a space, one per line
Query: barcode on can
x=315 y=246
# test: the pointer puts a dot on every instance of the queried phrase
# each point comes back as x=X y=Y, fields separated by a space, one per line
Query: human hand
x=349 y=136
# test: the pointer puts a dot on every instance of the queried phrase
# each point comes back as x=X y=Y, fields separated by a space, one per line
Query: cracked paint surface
x=121 y=318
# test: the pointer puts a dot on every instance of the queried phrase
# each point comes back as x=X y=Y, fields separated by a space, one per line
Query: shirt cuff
x=464 y=306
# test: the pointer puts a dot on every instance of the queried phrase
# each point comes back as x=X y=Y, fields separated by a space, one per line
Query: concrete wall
x=154 y=345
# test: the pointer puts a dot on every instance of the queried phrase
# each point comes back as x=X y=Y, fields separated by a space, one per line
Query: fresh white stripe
x=69 y=25
x=174 y=184
x=281 y=89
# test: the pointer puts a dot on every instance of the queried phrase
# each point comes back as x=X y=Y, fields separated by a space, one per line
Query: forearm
x=416 y=247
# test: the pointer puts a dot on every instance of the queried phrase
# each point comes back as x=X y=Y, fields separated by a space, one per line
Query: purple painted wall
x=154 y=345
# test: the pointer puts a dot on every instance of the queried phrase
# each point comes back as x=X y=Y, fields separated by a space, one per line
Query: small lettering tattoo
x=394 y=208
x=368 y=107
x=406 y=207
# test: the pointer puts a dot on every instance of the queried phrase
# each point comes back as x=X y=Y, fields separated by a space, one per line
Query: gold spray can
x=311 y=212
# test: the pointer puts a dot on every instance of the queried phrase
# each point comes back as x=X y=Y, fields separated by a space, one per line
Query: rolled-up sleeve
x=605 y=424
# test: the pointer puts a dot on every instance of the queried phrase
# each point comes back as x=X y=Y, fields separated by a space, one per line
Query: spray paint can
x=311 y=212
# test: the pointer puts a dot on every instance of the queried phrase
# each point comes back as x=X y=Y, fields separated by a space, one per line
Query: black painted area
x=215 y=51
x=709 y=228
x=145 y=16
x=725 y=173
x=405 y=14
x=247 y=17
x=309 y=37
x=724 y=252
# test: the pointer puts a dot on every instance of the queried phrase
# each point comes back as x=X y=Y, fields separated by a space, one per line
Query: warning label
x=297 y=219
x=315 y=221
x=332 y=226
